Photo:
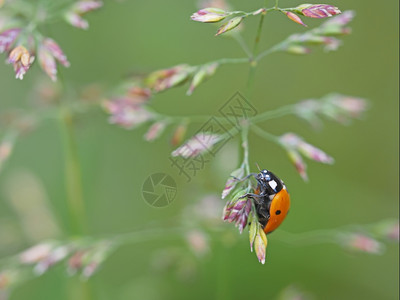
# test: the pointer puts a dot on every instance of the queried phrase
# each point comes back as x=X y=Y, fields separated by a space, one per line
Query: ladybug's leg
x=254 y=196
x=244 y=178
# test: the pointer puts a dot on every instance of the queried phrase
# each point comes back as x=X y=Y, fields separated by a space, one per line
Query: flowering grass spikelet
x=162 y=80
x=209 y=15
x=155 y=131
x=21 y=60
x=74 y=15
x=179 y=134
x=336 y=26
x=201 y=75
x=7 y=38
x=294 y=18
x=295 y=146
x=231 y=24
x=318 y=10
x=198 y=144
x=298 y=163
x=238 y=210
x=260 y=245
x=360 y=242
x=232 y=181
x=126 y=113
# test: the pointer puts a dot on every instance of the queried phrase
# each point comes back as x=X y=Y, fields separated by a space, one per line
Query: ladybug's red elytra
x=271 y=199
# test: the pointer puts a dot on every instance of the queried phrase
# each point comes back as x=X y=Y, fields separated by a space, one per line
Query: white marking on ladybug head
x=272 y=184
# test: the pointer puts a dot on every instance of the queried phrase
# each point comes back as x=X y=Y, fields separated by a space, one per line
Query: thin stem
x=230 y=133
x=253 y=62
x=272 y=114
x=245 y=145
x=189 y=119
x=258 y=35
x=276 y=4
x=146 y=235
x=73 y=182
x=268 y=52
x=264 y=134
x=223 y=61
x=311 y=237
x=239 y=39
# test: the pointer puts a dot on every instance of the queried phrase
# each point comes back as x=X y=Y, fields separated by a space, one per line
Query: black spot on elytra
x=278 y=212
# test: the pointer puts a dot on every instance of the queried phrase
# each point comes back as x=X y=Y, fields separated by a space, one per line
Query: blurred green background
x=142 y=36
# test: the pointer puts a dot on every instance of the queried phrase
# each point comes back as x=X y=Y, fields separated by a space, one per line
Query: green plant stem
x=189 y=119
x=73 y=179
x=322 y=236
x=223 y=61
x=264 y=134
x=258 y=35
x=272 y=114
x=253 y=61
x=148 y=235
x=250 y=82
x=239 y=39
x=245 y=145
x=268 y=52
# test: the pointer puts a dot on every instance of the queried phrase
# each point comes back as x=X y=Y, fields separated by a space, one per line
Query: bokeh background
x=141 y=36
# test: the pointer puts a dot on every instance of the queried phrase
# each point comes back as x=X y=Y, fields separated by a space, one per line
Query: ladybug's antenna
x=258 y=167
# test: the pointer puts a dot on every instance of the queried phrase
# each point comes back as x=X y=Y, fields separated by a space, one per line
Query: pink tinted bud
x=336 y=25
x=231 y=24
x=351 y=105
x=56 y=255
x=56 y=51
x=319 y=11
x=178 y=135
x=201 y=75
x=164 y=79
x=294 y=18
x=314 y=153
x=341 y=20
x=198 y=144
x=299 y=164
x=260 y=245
x=76 y=20
x=21 y=60
x=7 y=38
x=295 y=143
x=36 y=253
x=82 y=7
x=47 y=62
x=126 y=114
x=155 y=131
x=238 y=210
x=139 y=94
x=16 y=54
x=362 y=243
x=198 y=242
x=209 y=15
x=232 y=181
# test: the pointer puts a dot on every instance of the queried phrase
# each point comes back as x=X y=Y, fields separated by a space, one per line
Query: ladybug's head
x=269 y=182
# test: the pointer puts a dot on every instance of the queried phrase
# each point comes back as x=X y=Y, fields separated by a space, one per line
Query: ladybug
x=271 y=199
